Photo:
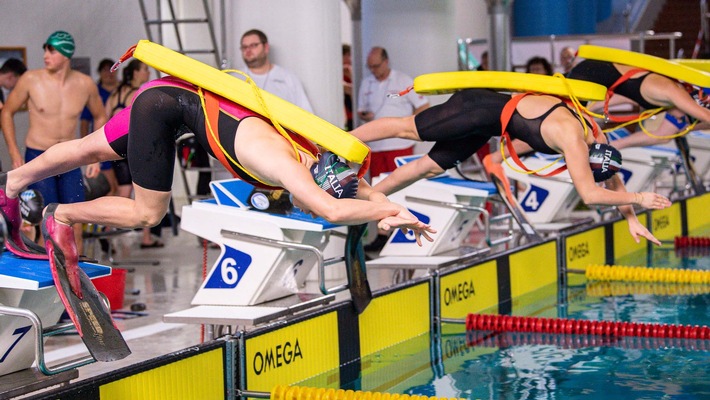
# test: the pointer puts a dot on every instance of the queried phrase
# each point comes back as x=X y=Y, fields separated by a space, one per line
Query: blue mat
x=39 y=270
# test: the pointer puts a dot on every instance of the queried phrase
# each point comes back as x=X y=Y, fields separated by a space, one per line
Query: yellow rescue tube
x=648 y=62
x=703 y=65
x=447 y=82
x=239 y=91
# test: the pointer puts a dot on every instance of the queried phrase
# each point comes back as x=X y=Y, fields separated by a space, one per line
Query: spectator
x=55 y=96
x=538 y=65
x=271 y=77
x=9 y=74
x=348 y=86
x=484 y=62
x=373 y=103
x=107 y=83
x=567 y=56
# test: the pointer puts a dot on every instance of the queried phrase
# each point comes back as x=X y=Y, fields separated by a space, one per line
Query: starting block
x=452 y=206
x=263 y=257
x=645 y=168
x=547 y=202
x=660 y=166
x=699 y=142
x=29 y=302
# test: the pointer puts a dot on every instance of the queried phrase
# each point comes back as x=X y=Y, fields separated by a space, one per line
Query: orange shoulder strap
x=212 y=114
x=610 y=92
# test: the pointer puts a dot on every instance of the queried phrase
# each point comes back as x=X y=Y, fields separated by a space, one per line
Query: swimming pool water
x=509 y=365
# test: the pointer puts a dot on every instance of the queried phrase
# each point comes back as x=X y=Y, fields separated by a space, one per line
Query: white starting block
x=645 y=168
x=651 y=167
x=452 y=206
x=548 y=202
x=28 y=302
x=264 y=256
x=699 y=142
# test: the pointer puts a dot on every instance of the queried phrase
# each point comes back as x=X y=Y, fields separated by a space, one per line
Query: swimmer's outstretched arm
x=636 y=229
x=576 y=156
x=369 y=206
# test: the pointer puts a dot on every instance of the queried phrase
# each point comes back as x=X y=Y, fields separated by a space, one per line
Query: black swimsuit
x=120 y=167
x=605 y=74
x=469 y=119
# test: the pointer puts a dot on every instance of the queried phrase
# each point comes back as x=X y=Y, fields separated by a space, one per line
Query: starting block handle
x=292 y=245
x=560 y=179
x=39 y=342
x=464 y=207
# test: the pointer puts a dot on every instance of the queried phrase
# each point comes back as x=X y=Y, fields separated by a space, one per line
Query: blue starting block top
x=670 y=151
x=699 y=134
x=480 y=185
x=22 y=273
x=236 y=193
x=447 y=179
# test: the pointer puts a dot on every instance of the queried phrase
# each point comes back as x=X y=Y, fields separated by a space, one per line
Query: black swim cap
x=31 y=206
x=335 y=177
x=605 y=161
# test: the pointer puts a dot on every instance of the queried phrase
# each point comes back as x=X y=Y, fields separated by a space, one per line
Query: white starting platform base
x=548 y=202
x=699 y=142
x=28 y=302
x=660 y=168
x=649 y=168
x=264 y=256
x=245 y=315
x=452 y=206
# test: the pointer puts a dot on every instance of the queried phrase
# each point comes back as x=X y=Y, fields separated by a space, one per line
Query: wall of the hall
x=420 y=35
x=100 y=29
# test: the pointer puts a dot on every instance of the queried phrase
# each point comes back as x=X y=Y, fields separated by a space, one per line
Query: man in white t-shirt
x=373 y=103
x=268 y=76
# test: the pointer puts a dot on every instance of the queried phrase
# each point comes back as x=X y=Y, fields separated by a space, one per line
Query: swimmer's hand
x=653 y=201
x=419 y=228
x=406 y=221
x=93 y=170
x=637 y=230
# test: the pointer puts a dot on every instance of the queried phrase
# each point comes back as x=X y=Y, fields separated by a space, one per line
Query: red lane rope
x=490 y=322
x=692 y=252
x=508 y=339
x=691 y=241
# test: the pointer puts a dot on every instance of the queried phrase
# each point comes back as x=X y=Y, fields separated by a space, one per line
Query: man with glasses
x=269 y=76
x=55 y=97
x=374 y=103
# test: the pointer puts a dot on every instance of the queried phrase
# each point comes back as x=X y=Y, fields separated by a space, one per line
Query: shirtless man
x=55 y=97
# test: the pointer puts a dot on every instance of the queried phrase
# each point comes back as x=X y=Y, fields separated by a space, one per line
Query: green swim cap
x=62 y=41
